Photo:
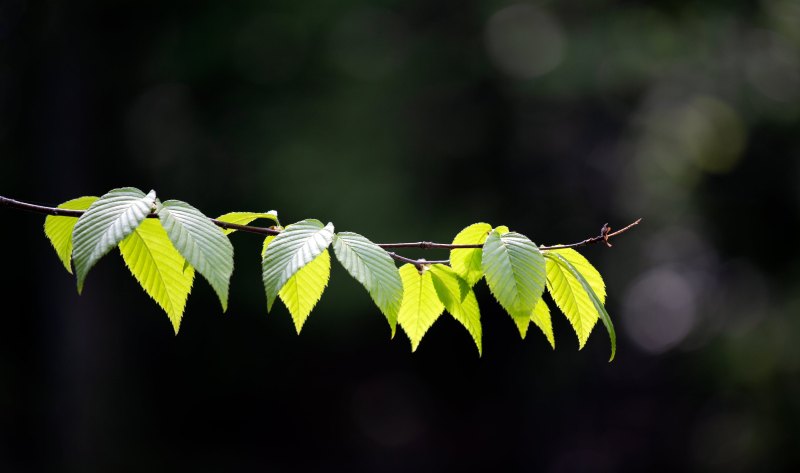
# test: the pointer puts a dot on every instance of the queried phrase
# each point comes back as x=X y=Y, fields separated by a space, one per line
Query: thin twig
x=417 y=262
x=604 y=236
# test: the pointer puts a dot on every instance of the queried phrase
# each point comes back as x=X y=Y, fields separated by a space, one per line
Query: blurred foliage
x=407 y=121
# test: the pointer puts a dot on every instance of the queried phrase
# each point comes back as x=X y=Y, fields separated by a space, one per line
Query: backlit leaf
x=303 y=290
x=515 y=272
x=372 y=266
x=586 y=269
x=420 y=306
x=292 y=249
x=159 y=268
x=107 y=222
x=565 y=276
x=571 y=298
x=245 y=218
x=459 y=300
x=201 y=243
x=541 y=317
x=467 y=262
x=59 y=229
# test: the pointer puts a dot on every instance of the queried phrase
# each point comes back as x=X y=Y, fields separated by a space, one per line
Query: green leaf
x=515 y=272
x=565 y=276
x=245 y=218
x=457 y=296
x=292 y=249
x=59 y=229
x=421 y=305
x=571 y=298
x=266 y=243
x=303 y=290
x=467 y=262
x=372 y=266
x=159 y=268
x=586 y=269
x=201 y=243
x=107 y=222
x=541 y=317
x=522 y=325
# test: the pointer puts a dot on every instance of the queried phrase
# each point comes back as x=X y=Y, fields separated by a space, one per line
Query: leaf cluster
x=164 y=244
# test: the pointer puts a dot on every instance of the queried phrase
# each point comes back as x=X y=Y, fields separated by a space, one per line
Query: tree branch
x=604 y=236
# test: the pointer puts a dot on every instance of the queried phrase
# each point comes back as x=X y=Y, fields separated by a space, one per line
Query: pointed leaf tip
x=303 y=290
x=459 y=300
x=541 y=318
x=420 y=306
x=159 y=268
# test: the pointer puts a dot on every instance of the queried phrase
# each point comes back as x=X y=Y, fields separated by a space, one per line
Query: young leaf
x=571 y=298
x=467 y=262
x=292 y=249
x=522 y=325
x=372 y=266
x=266 y=243
x=244 y=218
x=201 y=242
x=515 y=272
x=303 y=290
x=421 y=305
x=570 y=273
x=159 y=268
x=59 y=229
x=586 y=269
x=541 y=317
x=107 y=222
x=457 y=296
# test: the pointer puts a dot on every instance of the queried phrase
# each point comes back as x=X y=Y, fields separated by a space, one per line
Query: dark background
x=404 y=121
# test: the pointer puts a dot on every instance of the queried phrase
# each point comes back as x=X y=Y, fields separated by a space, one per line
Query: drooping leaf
x=303 y=290
x=459 y=300
x=571 y=298
x=292 y=249
x=420 y=306
x=586 y=269
x=59 y=229
x=245 y=218
x=372 y=266
x=566 y=275
x=201 y=243
x=107 y=222
x=467 y=262
x=159 y=268
x=515 y=272
x=541 y=317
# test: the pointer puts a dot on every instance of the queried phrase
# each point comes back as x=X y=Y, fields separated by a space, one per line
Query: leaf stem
x=604 y=236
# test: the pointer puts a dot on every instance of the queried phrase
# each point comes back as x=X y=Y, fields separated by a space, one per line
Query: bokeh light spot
x=659 y=310
x=524 y=41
